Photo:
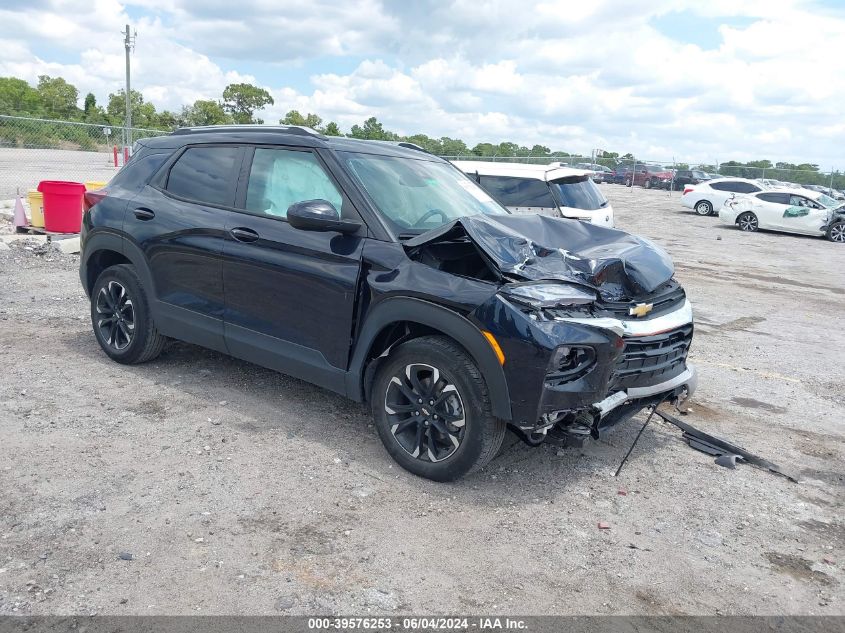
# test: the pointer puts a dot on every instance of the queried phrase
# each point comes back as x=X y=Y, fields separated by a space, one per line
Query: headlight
x=544 y=295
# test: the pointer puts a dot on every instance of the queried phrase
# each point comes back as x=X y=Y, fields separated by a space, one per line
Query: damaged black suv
x=383 y=273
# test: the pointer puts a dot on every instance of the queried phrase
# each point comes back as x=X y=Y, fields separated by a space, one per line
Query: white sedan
x=793 y=211
x=705 y=198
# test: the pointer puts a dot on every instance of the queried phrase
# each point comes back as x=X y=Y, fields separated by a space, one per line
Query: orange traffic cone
x=19 y=218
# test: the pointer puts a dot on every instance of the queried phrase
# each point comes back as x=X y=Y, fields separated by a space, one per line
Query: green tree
x=143 y=113
x=295 y=118
x=332 y=129
x=507 y=149
x=90 y=104
x=242 y=101
x=485 y=149
x=452 y=147
x=204 y=112
x=166 y=120
x=58 y=97
x=17 y=97
x=427 y=143
x=540 y=150
x=372 y=130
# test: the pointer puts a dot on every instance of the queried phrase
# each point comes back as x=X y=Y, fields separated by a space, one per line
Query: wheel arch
x=396 y=320
x=102 y=250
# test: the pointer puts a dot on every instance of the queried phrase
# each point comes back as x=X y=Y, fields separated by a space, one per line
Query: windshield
x=829 y=202
x=578 y=192
x=418 y=195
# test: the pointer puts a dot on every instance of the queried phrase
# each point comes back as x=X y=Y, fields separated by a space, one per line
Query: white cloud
x=568 y=77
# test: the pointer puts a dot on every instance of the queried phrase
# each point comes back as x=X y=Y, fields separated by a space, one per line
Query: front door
x=803 y=215
x=289 y=293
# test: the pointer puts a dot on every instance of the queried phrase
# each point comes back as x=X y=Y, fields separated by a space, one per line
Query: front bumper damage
x=621 y=381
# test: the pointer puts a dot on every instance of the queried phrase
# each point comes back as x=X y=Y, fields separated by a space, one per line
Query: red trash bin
x=62 y=205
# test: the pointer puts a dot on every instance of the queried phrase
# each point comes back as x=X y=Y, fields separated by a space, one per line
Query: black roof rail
x=258 y=128
x=404 y=144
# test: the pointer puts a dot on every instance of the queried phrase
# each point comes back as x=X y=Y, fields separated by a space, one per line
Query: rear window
x=578 y=192
x=510 y=191
x=205 y=174
x=735 y=186
x=138 y=171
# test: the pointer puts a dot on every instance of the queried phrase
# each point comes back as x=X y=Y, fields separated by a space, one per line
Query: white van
x=544 y=189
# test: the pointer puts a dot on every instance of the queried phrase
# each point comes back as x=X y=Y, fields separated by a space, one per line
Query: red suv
x=650 y=176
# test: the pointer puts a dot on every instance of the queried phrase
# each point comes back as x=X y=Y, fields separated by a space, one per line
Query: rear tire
x=121 y=318
x=703 y=207
x=836 y=232
x=446 y=440
x=747 y=222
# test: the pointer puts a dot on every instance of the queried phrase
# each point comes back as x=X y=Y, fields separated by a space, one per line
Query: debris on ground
x=726 y=453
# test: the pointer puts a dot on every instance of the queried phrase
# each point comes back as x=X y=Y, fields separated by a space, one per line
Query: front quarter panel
x=528 y=346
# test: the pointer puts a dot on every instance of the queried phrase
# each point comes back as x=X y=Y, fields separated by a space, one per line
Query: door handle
x=144 y=214
x=244 y=235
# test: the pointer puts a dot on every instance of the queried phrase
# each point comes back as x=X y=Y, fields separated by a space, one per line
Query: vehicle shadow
x=262 y=401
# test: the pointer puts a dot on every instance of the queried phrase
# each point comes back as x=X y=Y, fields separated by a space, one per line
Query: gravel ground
x=201 y=484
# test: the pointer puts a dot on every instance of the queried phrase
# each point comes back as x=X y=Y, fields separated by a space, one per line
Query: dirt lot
x=237 y=490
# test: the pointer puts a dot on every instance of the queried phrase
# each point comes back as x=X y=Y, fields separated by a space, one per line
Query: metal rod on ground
x=637 y=439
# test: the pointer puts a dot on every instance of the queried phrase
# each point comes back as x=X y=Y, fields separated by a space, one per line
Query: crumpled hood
x=535 y=247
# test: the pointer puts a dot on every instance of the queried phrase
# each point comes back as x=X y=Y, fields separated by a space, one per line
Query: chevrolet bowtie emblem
x=641 y=309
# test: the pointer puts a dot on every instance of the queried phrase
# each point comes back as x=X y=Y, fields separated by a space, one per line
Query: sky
x=697 y=81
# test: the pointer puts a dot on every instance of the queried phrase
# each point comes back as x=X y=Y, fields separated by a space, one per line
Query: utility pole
x=129 y=44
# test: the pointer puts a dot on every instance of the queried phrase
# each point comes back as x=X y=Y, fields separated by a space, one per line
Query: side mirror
x=319 y=215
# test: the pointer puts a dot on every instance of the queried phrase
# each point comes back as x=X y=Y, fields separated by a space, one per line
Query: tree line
x=55 y=98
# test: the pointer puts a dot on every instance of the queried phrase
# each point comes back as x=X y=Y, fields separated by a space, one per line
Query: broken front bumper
x=686 y=381
x=629 y=362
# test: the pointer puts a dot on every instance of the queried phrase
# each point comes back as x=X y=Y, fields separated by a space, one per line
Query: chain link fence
x=624 y=171
x=32 y=150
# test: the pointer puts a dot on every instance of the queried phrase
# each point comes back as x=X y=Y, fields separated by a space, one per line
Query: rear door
x=179 y=224
x=769 y=206
x=290 y=293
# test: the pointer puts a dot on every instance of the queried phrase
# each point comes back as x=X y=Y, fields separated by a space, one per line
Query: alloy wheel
x=748 y=222
x=425 y=413
x=837 y=232
x=115 y=316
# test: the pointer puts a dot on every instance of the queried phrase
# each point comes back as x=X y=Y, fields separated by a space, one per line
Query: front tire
x=703 y=207
x=121 y=318
x=836 y=232
x=747 y=222
x=432 y=410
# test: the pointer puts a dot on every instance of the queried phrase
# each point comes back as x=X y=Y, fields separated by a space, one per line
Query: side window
x=801 y=201
x=204 y=174
x=518 y=192
x=721 y=186
x=279 y=178
x=777 y=198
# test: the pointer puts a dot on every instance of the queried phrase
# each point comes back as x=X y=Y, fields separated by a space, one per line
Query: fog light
x=570 y=362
